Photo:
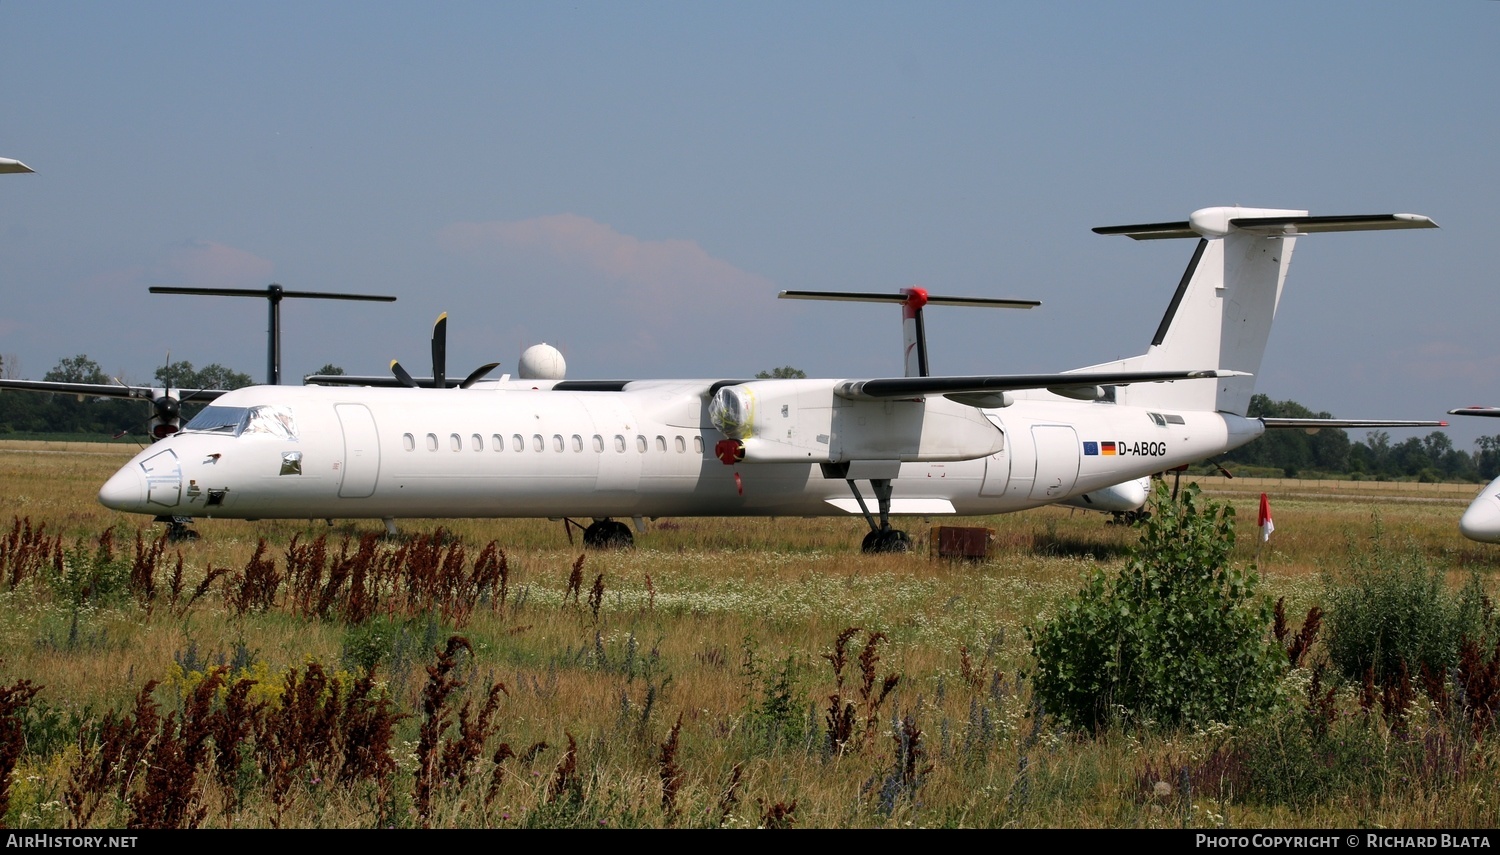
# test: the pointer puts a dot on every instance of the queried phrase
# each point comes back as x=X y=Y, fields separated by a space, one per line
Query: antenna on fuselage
x=274 y=294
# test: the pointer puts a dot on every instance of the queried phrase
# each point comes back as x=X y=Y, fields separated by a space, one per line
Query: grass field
x=726 y=672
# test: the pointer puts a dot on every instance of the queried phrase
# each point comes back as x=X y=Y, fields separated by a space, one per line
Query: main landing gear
x=882 y=538
x=602 y=534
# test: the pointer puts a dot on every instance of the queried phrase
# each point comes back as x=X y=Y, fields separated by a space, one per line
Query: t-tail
x=1222 y=310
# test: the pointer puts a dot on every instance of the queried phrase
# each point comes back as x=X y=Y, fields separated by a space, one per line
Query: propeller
x=166 y=403
x=439 y=379
x=166 y=408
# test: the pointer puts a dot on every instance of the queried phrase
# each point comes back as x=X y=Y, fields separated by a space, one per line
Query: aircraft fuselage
x=649 y=451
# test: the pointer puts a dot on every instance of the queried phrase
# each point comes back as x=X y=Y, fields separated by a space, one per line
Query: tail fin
x=1222 y=310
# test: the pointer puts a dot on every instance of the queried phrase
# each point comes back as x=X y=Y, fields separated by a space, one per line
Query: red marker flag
x=1266 y=525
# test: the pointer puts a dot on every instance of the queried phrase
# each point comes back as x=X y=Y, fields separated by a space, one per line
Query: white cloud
x=656 y=282
x=201 y=263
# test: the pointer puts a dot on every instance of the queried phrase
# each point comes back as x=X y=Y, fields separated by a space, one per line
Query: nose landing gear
x=177 y=529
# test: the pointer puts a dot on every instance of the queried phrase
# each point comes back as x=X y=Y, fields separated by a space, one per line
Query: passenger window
x=640 y=443
x=661 y=443
x=577 y=443
x=518 y=443
x=456 y=442
x=557 y=442
x=697 y=445
x=408 y=442
x=432 y=442
x=498 y=442
x=681 y=446
x=619 y=443
x=478 y=442
x=598 y=443
x=537 y=442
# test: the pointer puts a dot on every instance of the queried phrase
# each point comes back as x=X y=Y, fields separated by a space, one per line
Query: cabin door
x=996 y=466
x=361 y=451
x=620 y=461
x=1057 y=458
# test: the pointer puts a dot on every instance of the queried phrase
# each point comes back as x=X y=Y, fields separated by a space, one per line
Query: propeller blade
x=401 y=375
x=440 y=352
x=478 y=374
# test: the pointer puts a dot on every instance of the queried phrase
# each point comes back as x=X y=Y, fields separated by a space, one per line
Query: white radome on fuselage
x=646 y=451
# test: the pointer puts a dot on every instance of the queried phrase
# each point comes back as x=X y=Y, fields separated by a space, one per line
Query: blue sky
x=635 y=181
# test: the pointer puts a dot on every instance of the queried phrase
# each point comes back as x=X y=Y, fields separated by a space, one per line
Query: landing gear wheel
x=608 y=534
x=886 y=540
x=177 y=529
x=1129 y=517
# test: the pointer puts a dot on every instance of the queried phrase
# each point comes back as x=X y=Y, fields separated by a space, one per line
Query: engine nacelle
x=783 y=421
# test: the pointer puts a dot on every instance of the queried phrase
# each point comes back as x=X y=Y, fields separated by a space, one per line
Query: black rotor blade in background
x=401 y=375
x=440 y=352
x=478 y=374
x=273 y=294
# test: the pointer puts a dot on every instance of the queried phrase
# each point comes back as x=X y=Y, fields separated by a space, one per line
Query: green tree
x=65 y=413
x=785 y=372
x=1178 y=636
x=182 y=375
x=330 y=368
x=1487 y=461
x=1293 y=451
x=77 y=369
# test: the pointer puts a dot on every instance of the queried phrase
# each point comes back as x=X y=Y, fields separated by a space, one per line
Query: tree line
x=61 y=413
x=1330 y=453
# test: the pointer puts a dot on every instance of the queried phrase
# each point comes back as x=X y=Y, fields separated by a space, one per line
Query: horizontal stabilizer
x=11 y=165
x=1475 y=411
x=1284 y=225
x=1314 y=424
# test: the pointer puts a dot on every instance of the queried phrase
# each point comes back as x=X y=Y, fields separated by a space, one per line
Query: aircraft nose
x=125 y=490
x=1481 y=521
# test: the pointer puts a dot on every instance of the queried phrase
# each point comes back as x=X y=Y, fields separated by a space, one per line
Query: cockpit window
x=218 y=420
x=276 y=422
x=272 y=421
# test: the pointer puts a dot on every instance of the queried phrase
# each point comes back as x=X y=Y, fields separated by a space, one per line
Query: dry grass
x=733 y=672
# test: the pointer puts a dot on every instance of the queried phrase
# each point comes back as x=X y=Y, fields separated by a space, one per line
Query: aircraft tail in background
x=1222 y=310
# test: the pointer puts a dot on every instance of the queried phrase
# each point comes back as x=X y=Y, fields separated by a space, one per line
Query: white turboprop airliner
x=1481 y=520
x=613 y=450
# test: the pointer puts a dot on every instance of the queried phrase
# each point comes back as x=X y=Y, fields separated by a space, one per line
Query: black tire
x=608 y=534
x=886 y=540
